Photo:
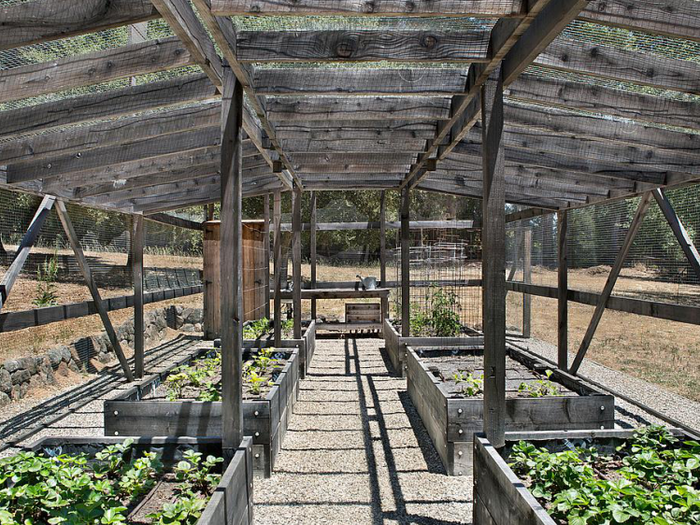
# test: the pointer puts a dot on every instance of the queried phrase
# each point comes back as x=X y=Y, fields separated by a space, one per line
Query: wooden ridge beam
x=26 y=23
x=307 y=109
x=111 y=104
x=92 y=68
x=407 y=145
x=342 y=159
x=605 y=100
x=622 y=64
x=674 y=18
x=344 y=82
x=348 y=168
x=355 y=130
x=224 y=34
x=516 y=44
x=476 y=8
x=365 y=45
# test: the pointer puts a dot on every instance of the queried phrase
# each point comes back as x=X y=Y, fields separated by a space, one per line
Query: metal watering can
x=368 y=283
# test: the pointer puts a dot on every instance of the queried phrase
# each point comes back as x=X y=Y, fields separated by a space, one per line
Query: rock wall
x=90 y=354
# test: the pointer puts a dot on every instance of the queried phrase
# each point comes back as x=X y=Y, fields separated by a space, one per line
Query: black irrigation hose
x=663 y=417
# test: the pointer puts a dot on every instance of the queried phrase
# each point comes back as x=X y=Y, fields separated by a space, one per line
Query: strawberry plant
x=652 y=479
x=471 y=386
x=540 y=387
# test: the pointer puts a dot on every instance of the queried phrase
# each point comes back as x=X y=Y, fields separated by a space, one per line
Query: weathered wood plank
x=92 y=68
x=478 y=8
x=25 y=23
x=563 y=286
x=405 y=262
x=355 y=130
x=682 y=236
x=366 y=45
x=296 y=260
x=137 y=272
x=406 y=145
x=127 y=101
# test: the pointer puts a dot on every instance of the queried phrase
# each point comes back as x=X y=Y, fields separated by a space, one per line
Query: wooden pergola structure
x=505 y=100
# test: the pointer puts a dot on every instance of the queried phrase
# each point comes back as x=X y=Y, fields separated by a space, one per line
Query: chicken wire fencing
x=51 y=276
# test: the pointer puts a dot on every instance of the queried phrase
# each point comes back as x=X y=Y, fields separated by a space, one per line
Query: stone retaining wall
x=89 y=354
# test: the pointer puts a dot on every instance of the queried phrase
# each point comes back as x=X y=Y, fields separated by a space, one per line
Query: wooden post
x=612 y=279
x=231 y=263
x=563 y=300
x=266 y=233
x=8 y=280
x=494 y=256
x=137 y=272
x=296 y=259
x=519 y=239
x=679 y=230
x=313 y=251
x=527 y=279
x=277 y=256
x=210 y=212
x=92 y=286
x=405 y=262
x=382 y=253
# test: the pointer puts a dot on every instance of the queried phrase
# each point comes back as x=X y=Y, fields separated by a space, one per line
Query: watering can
x=368 y=283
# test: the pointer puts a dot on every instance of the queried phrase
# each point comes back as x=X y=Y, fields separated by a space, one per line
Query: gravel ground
x=81 y=418
x=627 y=415
x=356 y=451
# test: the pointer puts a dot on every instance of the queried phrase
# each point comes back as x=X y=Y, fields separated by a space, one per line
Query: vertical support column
x=277 y=260
x=494 y=268
x=137 y=272
x=296 y=259
x=231 y=263
x=92 y=286
x=527 y=279
x=405 y=262
x=563 y=285
x=266 y=233
x=382 y=253
x=313 y=251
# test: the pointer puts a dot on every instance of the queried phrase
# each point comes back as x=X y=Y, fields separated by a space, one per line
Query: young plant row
x=650 y=479
x=472 y=386
x=72 y=490
x=263 y=327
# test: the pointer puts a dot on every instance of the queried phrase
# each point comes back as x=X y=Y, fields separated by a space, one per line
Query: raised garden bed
x=588 y=477
x=452 y=407
x=264 y=338
x=395 y=344
x=114 y=482
x=169 y=404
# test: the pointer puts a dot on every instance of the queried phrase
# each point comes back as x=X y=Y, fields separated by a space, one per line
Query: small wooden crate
x=367 y=317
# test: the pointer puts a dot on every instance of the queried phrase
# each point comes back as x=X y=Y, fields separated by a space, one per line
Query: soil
x=445 y=368
x=191 y=393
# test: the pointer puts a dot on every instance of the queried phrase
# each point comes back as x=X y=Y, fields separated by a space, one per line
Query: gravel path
x=356 y=451
x=80 y=409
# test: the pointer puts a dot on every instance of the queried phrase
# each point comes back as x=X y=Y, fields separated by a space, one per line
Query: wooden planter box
x=396 y=344
x=306 y=346
x=500 y=498
x=265 y=420
x=232 y=501
x=452 y=422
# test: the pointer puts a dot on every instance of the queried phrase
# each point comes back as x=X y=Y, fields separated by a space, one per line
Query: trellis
x=519 y=101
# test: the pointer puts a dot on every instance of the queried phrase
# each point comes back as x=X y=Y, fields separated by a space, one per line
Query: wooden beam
x=355 y=130
x=405 y=262
x=92 y=286
x=277 y=259
x=231 y=263
x=493 y=273
x=312 y=224
x=391 y=225
x=527 y=279
x=407 y=145
x=611 y=280
x=382 y=239
x=25 y=246
x=26 y=23
x=341 y=82
x=92 y=68
x=296 y=260
x=266 y=234
x=477 y=8
x=365 y=45
x=112 y=104
x=681 y=234
x=181 y=18
x=563 y=285
x=171 y=220
x=308 y=109
x=137 y=272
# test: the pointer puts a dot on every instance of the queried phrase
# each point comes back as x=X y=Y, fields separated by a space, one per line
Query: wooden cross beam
x=92 y=286
x=681 y=234
x=296 y=260
x=610 y=282
x=277 y=259
x=137 y=272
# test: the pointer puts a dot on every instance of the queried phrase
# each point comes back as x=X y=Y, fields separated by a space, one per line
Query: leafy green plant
x=471 y=386
x=196 y=474
x=46 y=275
x=185 y=511
x=256 y=382
x=651 y=480
x=439 y=316
x=540 y=387
x=256 y=329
